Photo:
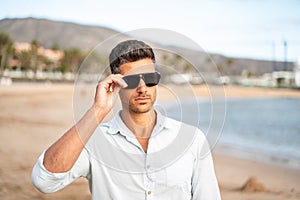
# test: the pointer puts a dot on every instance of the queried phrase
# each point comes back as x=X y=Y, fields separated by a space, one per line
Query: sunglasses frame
x=142 y=76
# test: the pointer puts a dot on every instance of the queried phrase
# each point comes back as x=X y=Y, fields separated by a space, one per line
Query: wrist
x=99 y=113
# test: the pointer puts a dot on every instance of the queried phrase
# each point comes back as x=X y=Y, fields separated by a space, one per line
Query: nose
x=142 y=86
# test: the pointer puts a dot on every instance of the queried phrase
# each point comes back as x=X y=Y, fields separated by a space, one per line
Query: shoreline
x=229 y=91
x=284 y=161
x=35 y=115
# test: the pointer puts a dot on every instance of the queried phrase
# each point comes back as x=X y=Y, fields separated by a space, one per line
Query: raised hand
x=106 y=94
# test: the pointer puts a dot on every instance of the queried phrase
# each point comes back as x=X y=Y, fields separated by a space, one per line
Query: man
x=139 y=154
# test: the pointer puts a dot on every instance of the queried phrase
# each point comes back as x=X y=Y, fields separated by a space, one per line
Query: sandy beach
x=34 y=115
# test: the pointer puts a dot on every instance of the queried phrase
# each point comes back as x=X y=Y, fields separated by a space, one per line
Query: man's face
x=142 y=98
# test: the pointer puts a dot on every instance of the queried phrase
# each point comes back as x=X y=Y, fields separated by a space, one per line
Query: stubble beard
x=143 y=107
x=140 y=109
x=132 y=107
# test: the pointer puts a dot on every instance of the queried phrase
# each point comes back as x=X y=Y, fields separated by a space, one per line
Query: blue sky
x=238 y=28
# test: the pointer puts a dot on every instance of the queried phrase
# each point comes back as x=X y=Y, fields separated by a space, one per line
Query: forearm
x=61 y=156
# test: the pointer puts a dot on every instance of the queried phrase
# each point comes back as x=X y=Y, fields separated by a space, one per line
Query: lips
x=142 y=99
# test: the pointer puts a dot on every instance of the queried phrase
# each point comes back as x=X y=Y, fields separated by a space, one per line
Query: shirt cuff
x=47 y=174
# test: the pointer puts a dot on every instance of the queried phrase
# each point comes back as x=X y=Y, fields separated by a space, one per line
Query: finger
x=118 y=79
x=111 y=82
x=116 y=89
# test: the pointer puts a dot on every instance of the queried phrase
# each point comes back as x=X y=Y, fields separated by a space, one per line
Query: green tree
x=24 y=60
x=49 y=64
x=220 y=68
x=55 y=47
x=6 y=47
x=34 y=45
x=229 y=64
x=187 y=67
x=71 y=60
x=229 y=61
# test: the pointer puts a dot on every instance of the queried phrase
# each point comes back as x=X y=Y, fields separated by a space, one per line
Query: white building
x=297 y=73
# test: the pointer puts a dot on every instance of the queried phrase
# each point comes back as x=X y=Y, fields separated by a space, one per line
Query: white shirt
x=177 y=165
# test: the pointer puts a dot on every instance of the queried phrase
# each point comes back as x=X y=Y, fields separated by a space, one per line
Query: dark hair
x=129 y=51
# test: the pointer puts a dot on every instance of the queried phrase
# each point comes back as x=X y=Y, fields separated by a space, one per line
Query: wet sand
x=33 y=116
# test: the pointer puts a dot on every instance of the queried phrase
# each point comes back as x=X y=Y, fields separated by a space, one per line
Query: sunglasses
x=150 y=79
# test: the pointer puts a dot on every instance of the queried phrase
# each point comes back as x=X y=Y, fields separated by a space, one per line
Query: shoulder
x=186 y=133
x=184 y=128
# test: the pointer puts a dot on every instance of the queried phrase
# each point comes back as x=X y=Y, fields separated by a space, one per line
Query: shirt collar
x=116 y=125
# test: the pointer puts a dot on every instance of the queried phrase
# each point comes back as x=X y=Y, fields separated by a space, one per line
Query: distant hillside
x=68 y=35
x=48 y=32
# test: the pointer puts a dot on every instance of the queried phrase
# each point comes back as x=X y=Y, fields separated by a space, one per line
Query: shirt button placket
x=149 y=195
x=150 y=186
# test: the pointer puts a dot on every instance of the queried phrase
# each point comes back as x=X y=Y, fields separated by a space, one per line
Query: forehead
x=138 y=67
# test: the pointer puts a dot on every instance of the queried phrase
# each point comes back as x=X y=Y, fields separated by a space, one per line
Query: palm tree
x=35 y=45
x=6 y=47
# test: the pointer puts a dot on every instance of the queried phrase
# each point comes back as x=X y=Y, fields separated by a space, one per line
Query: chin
x=140 y=109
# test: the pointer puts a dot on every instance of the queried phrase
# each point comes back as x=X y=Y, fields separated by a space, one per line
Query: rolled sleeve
x=48 y=182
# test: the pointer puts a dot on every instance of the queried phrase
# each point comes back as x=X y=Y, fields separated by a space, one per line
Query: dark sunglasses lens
x=151 y=79
x=132 y=81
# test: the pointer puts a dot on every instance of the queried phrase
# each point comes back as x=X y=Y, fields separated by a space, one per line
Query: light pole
x=285 y=54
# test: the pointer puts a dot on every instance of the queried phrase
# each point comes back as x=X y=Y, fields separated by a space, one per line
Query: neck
x=141 y=124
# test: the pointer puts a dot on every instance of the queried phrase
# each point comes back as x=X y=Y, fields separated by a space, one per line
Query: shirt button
x=148 y=166
x=149 y=192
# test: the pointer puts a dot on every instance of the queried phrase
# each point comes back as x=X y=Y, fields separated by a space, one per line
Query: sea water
x=265 y=129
